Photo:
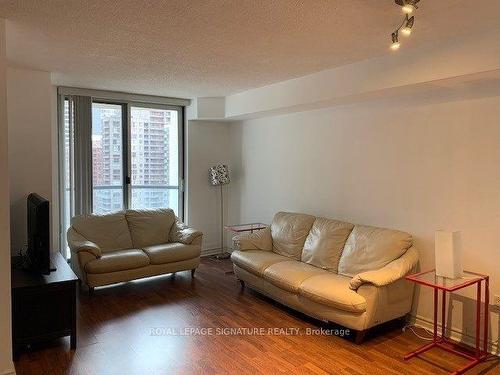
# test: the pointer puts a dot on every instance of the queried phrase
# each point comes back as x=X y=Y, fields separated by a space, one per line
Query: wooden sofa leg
x=192 y=272
x=360 y=336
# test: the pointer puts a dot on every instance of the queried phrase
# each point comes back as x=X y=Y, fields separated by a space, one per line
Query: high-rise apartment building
x=107 y=158
x=150 y=161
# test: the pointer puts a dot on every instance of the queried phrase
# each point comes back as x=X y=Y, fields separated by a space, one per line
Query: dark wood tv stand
x=43 y=306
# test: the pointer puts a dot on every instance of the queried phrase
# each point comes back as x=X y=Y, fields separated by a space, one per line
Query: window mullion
x=126 y=155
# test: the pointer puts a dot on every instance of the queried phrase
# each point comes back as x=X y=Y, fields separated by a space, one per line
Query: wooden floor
x=133 y=328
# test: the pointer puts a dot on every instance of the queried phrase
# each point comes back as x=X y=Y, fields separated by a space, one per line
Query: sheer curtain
x=75 y=171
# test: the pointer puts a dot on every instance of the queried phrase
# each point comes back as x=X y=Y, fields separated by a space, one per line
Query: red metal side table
x=430 y=279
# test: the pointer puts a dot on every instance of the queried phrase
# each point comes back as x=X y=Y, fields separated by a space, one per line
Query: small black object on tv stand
x=43 y=306
x=21 y=262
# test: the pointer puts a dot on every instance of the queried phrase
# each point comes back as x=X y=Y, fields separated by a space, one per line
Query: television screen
x=38 y=252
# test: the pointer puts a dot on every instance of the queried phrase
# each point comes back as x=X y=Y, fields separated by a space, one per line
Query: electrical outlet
x=496 y=300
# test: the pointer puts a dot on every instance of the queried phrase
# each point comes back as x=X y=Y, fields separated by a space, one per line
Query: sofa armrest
x=180 y=232
x=259 y=240
x=77 y=243
x=388 y=274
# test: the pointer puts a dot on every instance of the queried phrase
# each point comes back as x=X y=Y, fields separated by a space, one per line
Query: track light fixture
x=406 y=30
x=408 y=7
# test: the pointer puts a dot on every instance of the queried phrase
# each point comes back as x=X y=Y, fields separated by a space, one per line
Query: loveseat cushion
x=256 y=261
x=109 y=232
x=370 y=248
x=290 y=274
x=150 y=227
x=289 y=232
x=119 y=260
x=325 y=243
x=332 y=290
x=171 y=252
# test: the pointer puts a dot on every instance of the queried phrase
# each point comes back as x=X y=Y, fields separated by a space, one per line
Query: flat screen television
x=38 y=252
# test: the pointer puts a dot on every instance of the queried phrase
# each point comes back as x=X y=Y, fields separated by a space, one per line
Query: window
x=121 y=155
x=107 y=163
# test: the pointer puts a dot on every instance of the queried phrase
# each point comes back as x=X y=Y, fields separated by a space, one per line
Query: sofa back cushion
x=150 y=227
x=325 y=242
x=109 y=232
x=289 y=232
x=370 y=248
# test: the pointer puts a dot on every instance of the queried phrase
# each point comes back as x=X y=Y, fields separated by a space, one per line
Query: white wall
x=207 y=145
x=416 y=165
x=6 y=365
x=433 y=65
x=29 y=108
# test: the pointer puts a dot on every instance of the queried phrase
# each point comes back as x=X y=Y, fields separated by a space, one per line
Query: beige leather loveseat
x=123 y=246
x=335 y=271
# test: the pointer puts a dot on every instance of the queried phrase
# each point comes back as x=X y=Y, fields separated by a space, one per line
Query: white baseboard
x=11 y=371
x=455 y=334
x=210 y=252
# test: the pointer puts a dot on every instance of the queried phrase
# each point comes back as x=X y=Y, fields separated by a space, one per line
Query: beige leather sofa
x=123 y=246
x=335 y=271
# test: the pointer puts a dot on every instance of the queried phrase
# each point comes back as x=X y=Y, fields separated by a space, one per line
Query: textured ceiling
x=194 y=48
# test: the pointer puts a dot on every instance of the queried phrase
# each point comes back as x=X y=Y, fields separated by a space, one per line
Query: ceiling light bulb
x=406 y=31
x=408 y=8
x=395 y=41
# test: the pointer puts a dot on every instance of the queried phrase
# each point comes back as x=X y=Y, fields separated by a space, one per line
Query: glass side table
x=443 y=284
x=239 y=228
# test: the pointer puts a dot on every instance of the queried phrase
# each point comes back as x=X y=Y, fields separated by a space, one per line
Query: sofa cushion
x=289 y=232
x=256 y=261
x=150 y=227
x=119 y=260
x=171 y=252
x=109 y=232
x=325 y=243
x=290 y=274
x=370 y=248
x=332 y=290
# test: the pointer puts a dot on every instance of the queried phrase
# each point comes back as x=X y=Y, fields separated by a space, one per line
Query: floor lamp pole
x=223 y=254
x=221 y=221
